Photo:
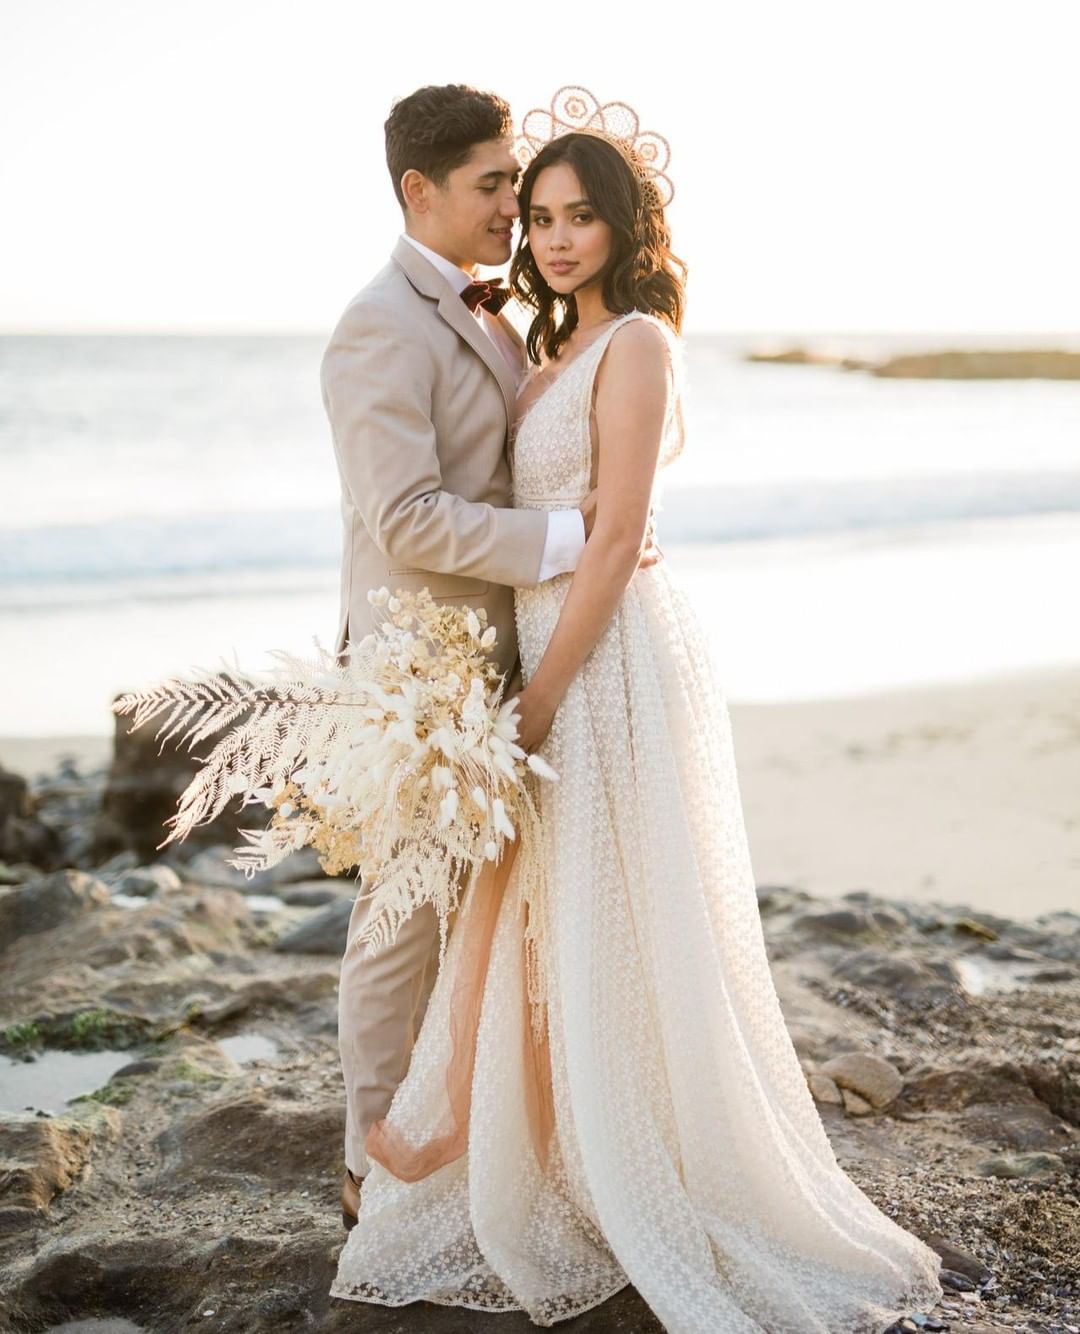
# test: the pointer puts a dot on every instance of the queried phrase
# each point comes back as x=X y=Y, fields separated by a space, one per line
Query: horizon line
x=747 y=331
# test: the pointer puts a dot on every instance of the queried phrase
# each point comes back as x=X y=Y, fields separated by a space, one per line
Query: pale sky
x=842 y=164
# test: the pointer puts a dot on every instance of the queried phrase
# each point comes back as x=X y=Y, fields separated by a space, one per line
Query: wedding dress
x=687 y=1156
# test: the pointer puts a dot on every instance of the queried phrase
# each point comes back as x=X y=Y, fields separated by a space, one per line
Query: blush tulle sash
x=410 y=1161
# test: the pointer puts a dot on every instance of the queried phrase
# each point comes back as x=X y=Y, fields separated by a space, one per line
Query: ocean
x=171 y=502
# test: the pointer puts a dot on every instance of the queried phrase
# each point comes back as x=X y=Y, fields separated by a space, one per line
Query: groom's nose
x=509 y=206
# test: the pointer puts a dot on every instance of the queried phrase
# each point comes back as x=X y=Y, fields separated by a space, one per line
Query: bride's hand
x=535 y=716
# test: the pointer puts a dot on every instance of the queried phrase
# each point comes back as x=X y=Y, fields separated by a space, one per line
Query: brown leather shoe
x=350 y=1199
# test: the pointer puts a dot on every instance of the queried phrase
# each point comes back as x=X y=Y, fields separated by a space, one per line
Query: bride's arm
x=631 y=407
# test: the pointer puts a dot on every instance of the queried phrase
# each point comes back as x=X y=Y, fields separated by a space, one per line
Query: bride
x=604 y=1090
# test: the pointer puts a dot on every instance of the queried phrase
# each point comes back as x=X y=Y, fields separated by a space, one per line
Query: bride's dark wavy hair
x=642 y=272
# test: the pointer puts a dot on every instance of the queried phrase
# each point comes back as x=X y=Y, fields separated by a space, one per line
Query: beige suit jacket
x=420 y=403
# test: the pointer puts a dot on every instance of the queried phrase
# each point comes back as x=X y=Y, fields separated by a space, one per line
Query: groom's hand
x=651 y=554
x=588 y=512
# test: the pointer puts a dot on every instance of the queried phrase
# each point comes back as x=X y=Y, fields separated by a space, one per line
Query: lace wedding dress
x=687 y=1156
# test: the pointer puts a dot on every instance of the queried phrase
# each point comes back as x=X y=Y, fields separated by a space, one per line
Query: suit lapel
x=429 y=282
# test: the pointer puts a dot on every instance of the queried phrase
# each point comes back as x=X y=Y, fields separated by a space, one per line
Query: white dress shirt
x=565 y=539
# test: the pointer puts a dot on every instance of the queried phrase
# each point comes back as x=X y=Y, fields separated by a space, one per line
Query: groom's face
x=471 y=218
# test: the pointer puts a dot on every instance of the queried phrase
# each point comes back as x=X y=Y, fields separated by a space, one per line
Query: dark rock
x=14 y=795
x=145 y=881
x=115 y=866
x=888 y=919
x=780 y=898
x=1021 y=1165
x=210 y=867
x=40 y=905
x=952 y=1088
x=836 y=924
x=17 y=1218
x=913 y=980
x=1003 y=951
x=1054 y=973
x=956 y=1258
x=146 y=1066
x=141 y=794
x=992 y=1102
x=26 y=835
x=1023 y=1128
x=17 y=873
x=956 y=1282
x=293 y=992
x=888 y=916
x=23 y=837
x=253 y=1284
x=41 y=1157
x=316 y=893
x=28 y=840
x=324 y=932
x=969 y=926
x=1057 y=1083
x=157 y=1279
x=108 y=1325
x=987 y=924
x=249 y=1134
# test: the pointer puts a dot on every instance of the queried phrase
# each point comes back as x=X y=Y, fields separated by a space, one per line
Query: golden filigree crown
x=577 y=111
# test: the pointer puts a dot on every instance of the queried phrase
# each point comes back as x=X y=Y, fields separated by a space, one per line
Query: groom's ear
x=416 y=191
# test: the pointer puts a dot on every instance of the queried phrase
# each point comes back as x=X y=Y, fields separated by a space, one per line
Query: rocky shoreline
x=194 y=1183
x=947 y=364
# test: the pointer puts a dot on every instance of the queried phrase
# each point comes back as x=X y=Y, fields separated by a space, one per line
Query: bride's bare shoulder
x=638 y=353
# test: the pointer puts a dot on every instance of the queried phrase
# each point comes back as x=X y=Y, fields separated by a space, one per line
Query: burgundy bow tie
x=491 y=295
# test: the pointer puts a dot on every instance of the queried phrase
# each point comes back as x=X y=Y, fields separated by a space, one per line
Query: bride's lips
x=562 y=266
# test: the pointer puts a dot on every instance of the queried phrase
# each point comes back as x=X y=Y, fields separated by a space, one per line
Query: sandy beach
x=965 y=794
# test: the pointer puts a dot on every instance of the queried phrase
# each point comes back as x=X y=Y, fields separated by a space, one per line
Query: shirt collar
x=457 y=278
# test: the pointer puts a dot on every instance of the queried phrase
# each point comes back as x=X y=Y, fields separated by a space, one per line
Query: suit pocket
x=438 y=585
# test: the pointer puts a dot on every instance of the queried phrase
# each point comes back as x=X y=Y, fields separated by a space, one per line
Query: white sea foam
x=169 y=500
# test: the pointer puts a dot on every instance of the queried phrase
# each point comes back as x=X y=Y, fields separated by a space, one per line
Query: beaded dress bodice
x=551 y=447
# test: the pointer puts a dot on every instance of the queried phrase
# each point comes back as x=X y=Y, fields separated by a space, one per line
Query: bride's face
x=569 y=242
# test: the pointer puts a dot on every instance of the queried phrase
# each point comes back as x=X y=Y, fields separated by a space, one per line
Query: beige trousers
x=381 y=1005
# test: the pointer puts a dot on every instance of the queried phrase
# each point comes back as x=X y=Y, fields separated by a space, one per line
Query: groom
x=419 y=382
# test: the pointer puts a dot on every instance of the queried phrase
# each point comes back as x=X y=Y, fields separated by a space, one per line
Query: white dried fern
x=401 y=763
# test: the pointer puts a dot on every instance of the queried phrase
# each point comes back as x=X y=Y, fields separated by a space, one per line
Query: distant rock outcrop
x=946 y=364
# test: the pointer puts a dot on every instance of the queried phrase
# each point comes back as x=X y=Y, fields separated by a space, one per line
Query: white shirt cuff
x=563 y=545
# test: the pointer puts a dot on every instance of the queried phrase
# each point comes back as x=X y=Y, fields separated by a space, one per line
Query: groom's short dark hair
x=436 y=128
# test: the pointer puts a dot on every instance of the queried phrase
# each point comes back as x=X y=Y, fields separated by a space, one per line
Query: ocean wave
x=174 y=555
x=808 y=507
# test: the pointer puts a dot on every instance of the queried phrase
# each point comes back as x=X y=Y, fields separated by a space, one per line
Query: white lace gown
x=688 y=1156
